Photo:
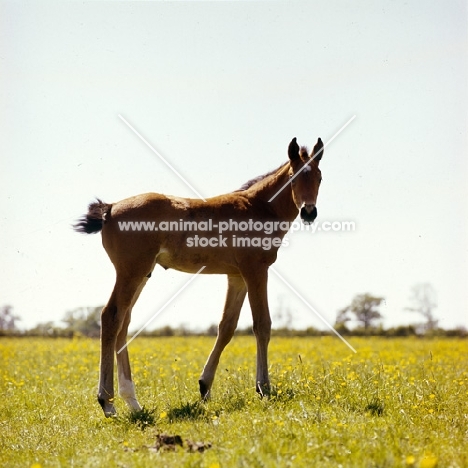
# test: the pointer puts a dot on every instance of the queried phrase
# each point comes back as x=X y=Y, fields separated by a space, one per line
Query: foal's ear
x=317 y=152
x=293 y=150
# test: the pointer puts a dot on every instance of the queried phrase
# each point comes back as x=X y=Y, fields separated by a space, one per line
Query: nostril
x=308 y=216
x=309 y=207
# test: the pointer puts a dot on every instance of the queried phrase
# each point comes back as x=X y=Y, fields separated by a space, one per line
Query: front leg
x=256 y=280
x=234 y=299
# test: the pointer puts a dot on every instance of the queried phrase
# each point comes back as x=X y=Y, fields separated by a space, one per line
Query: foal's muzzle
x=308 y=215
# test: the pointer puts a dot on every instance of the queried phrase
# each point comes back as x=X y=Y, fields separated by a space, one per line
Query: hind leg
x=124 y=373
x=234 y=300
x=115 y=318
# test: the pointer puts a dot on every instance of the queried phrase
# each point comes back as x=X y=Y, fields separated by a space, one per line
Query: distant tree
x=7 y=318
x=212 y=330
x=46 y=329
x=342 y=317
x=167 y=330
x=84 y=320
x=423 y=300
x=340 y=323
x=364 y=308
x=401 y=330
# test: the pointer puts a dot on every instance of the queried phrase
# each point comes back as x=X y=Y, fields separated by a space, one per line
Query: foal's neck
x=282 y=206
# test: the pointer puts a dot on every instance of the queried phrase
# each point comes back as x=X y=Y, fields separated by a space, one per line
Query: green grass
x=401 y=402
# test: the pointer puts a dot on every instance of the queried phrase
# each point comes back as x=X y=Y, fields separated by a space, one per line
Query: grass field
x=397 y=402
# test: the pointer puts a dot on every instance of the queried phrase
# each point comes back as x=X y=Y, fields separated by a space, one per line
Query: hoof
x=263 y=389
x=204 y=390
x=108 y=407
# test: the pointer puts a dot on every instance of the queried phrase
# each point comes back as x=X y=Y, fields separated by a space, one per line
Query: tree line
x=362 y=317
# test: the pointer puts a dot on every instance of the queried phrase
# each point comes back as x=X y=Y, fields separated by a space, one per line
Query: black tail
x=92 y=222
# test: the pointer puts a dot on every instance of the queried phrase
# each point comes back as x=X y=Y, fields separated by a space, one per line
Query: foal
x=136 y=236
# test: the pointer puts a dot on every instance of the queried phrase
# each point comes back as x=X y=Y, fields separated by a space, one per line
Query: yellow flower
x=428 y=461
x=410 y=460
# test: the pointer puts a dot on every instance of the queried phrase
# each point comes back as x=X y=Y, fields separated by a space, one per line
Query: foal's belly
x=209 y=261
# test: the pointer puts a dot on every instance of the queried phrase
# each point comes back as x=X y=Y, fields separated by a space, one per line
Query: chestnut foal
x=144 y=230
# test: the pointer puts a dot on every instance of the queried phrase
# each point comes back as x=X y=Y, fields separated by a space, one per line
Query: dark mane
x=259 y=178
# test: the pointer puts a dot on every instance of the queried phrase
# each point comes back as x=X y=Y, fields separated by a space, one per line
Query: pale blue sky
x=220 y=88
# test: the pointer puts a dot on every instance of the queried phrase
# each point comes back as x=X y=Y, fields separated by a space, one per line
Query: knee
x=227 y=328
x=262 y=327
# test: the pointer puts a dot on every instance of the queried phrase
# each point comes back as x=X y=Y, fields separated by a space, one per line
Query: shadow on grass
x=187 y=411
x=199 y=411
x=142 y=419
x=375 y=407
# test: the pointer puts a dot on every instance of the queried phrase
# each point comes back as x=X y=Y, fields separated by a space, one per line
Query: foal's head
x=305 y=178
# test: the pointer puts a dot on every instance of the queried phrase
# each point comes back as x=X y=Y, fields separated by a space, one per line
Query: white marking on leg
x=127 y=392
